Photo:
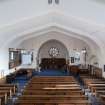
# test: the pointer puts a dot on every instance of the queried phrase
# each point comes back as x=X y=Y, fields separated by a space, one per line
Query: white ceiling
x=82 y=18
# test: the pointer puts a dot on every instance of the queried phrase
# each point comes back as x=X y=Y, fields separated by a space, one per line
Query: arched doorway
x=53 y=54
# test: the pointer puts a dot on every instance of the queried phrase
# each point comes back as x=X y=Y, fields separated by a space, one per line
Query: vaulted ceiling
x=22 y=19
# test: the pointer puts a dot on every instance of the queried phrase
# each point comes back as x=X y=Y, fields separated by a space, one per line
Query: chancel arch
x=70 y=45
x=45 y=49
x=53 y=51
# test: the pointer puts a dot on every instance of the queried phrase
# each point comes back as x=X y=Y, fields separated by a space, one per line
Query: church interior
x=52 y=52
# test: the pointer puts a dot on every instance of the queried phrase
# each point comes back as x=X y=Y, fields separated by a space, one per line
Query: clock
x=53 y=52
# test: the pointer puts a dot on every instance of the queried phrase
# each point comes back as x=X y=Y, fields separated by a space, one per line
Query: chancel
x=52 y=52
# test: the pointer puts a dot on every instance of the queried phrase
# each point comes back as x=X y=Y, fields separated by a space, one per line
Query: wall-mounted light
x=57 y=1
x=84 y=51
x=49 y=1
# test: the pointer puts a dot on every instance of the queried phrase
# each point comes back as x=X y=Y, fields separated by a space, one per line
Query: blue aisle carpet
x=52 y=73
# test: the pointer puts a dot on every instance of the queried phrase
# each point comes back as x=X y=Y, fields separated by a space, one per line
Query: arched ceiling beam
x=52 y=21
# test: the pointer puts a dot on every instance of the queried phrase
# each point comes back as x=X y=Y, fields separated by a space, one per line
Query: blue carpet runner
x=51 y=73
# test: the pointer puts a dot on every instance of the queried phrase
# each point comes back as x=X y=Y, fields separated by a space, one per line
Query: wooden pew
x=55 y=92
x=54 y=88
x=52 y=91
x=96 y=89
x=100 y=92
x=51 y=85
x=52 y=82
x=2 y=99
x=51 y=78
x=102 y=98
x=6 y=92
x=14 y=87
x=50 y=97
x=9 y=89
x=93 y=84
x=90 y=80
x=53 y=102
x=56 y=80
x=96 y=85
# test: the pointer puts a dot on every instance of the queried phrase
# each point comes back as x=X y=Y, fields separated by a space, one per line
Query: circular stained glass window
x=53 y=52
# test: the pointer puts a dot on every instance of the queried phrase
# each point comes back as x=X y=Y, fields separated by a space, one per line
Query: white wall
x=36 y=42
x=4 y=59
x=70 y=43
x=86 y=18
x=4 y=55
x=15 y=10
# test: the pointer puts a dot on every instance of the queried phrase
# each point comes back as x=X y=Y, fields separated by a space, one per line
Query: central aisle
x=52 y=72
